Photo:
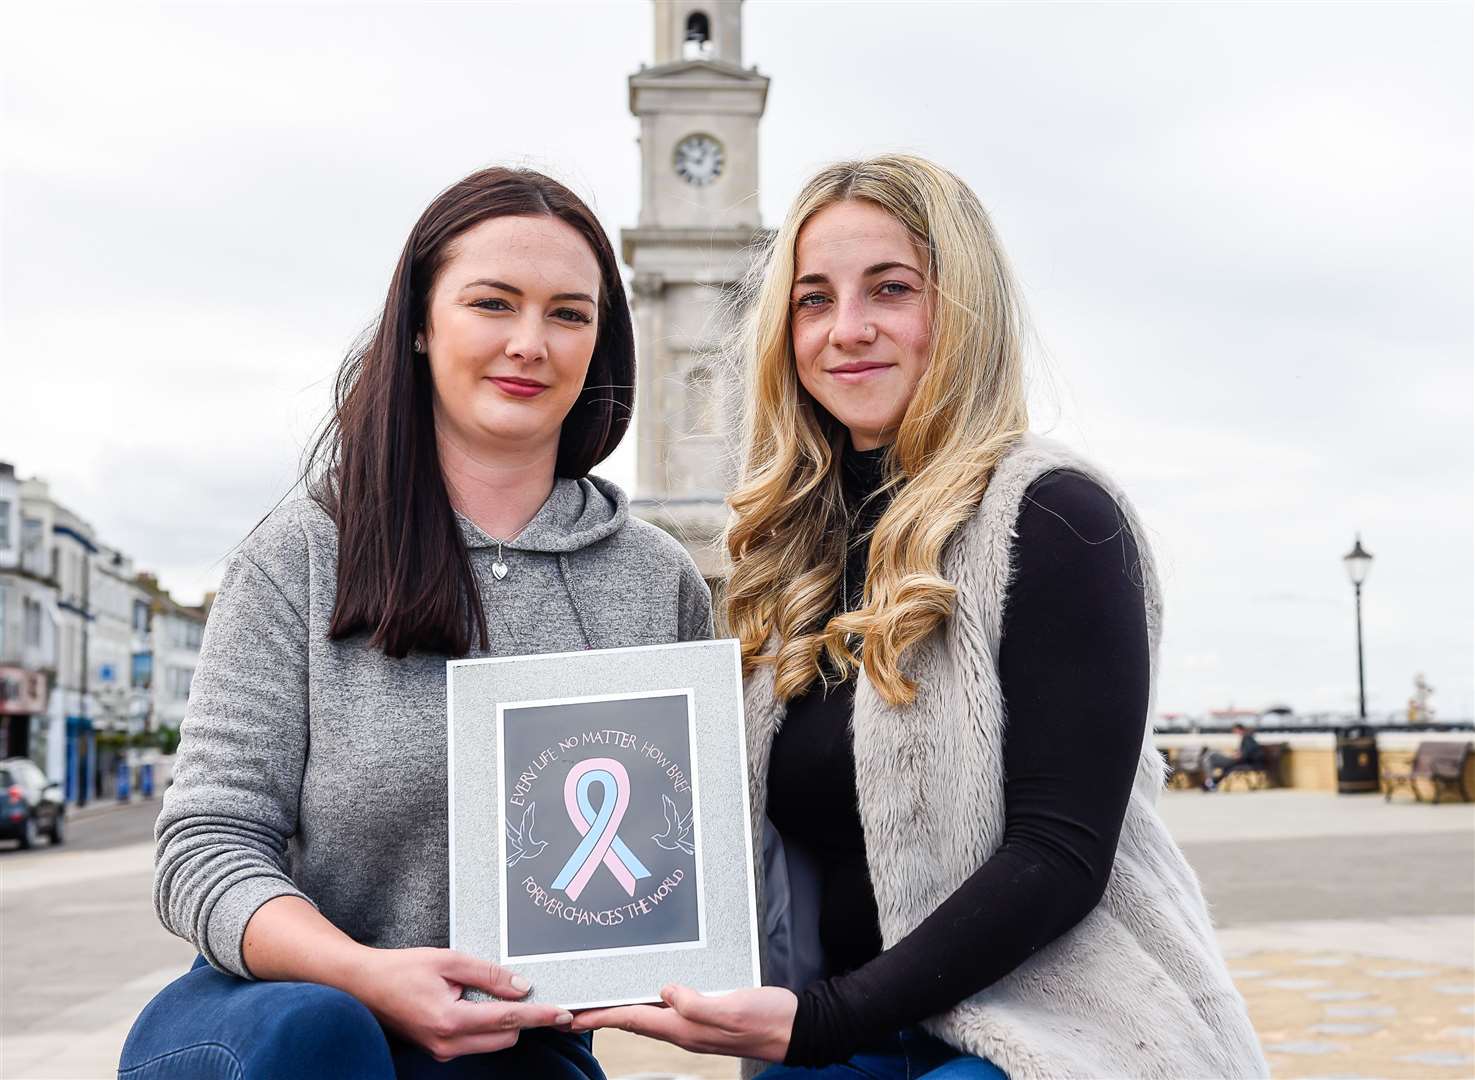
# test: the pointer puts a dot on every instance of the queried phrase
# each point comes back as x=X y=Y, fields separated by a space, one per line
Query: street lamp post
x=1358 y=563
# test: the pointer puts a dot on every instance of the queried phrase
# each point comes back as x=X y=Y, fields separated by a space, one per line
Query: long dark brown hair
x=404 y=575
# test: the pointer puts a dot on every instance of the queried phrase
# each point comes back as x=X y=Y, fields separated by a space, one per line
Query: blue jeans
x=209 y=1026
x=908 y=1054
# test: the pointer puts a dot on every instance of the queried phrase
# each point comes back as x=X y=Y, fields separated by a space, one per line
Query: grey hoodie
x=317 y=768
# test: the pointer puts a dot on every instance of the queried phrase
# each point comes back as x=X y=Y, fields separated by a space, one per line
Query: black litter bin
x=1357 y=760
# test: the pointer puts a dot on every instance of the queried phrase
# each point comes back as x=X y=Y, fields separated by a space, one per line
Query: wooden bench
x=1265 y=775
x=1441 y=763
x=1188 y=765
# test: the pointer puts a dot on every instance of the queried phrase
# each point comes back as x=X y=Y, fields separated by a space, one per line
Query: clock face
x=699 y=159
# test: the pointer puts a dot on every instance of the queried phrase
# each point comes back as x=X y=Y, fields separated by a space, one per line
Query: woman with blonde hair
x=949 y=631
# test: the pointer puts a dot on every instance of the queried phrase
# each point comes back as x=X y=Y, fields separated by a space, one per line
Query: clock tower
x=699 y=111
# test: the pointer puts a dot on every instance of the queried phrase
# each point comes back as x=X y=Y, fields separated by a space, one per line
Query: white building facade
x=62 y=542
x=27 y=627
x=87 y=645
x=118 y=637
x=177 y=631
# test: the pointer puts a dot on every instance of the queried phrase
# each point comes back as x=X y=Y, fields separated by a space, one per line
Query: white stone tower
x=699 y=111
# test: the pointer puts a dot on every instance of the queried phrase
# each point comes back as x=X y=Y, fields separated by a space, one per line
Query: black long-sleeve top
x=1073 y=669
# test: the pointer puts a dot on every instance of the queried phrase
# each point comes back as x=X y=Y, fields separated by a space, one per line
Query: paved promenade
x=1349 y=924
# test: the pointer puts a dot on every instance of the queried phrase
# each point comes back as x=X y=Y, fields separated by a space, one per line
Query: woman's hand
x=417 y=994
x=744 y=1023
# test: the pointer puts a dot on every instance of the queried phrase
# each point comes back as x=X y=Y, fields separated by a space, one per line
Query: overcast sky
x=1244 y=232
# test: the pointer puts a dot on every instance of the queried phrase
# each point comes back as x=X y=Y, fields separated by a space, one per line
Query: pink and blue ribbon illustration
x=600 y=830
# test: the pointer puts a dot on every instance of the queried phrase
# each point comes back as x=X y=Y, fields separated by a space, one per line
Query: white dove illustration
x=520 y=842
x=677 y=836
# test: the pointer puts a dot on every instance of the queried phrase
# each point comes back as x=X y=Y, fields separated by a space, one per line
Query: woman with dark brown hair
x=449 y=512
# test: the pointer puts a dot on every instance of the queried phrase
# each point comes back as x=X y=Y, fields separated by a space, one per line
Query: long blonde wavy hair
x=787 y=535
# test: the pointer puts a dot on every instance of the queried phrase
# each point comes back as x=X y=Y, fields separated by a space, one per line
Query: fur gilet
x=1139 y=987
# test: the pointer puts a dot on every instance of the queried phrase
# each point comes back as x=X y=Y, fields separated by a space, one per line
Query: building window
x=5 y=540
x=143 y=670
x=33 y=555
x=184 y=634
x=141 y=616
x=179 y=682
x=32 y=623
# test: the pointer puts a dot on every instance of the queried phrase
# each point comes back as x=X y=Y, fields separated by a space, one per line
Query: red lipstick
x=516 y=387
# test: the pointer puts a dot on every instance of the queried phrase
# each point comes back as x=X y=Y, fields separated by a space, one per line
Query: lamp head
x=1358 y=562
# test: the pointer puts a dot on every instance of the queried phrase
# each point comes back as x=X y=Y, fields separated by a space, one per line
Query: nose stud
x=867 y=333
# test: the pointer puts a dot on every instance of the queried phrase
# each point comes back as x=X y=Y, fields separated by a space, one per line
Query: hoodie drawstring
x=568 y=585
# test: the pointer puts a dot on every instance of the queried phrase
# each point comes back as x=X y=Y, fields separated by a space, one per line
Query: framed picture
x=600 y=841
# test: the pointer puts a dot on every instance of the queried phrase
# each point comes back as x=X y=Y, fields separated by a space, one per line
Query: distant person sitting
x=1251 y=756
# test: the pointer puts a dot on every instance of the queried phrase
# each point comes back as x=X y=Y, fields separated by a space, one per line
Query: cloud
x=1243 y=233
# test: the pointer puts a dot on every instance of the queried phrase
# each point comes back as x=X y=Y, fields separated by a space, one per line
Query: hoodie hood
x=578 y=513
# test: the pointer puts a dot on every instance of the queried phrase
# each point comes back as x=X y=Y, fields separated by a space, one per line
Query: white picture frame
x=638 y=869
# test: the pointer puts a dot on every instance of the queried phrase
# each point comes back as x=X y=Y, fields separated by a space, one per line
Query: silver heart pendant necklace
x=499 y=568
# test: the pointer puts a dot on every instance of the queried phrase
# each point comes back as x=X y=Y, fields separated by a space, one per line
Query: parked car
x=30 y=804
